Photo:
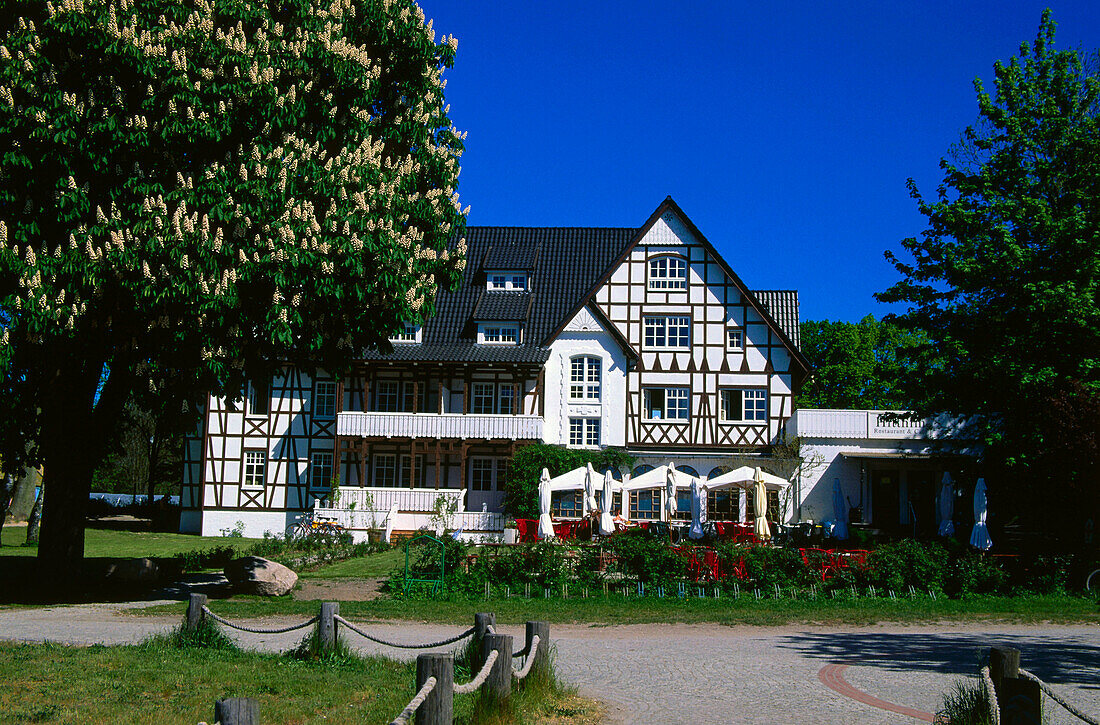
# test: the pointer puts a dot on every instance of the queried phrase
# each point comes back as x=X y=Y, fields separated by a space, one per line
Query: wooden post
x=499 y=684
x=326 y=627
x=195 y=615
x=237 y=711
x=483 y=621
x=1019 y=700
x=438 y=708
x=542 y=652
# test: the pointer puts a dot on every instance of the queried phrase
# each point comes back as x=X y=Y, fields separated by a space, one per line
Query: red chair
x=823 y=561
x=711 y=566
x=528 y=530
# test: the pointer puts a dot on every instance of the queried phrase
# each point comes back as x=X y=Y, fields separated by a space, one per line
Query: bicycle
x=1092 y=580
x=309 y=526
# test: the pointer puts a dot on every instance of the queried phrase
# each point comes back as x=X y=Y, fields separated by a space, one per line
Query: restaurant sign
x=894 y=426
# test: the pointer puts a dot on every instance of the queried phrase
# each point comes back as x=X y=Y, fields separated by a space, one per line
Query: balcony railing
x=440 y=425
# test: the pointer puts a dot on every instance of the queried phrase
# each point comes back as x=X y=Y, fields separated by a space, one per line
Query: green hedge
x=522 y=487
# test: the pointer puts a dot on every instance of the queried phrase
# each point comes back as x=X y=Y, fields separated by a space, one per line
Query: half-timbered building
x=635 y=337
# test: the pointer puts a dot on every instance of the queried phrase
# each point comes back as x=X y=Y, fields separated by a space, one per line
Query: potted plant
x=511 y=531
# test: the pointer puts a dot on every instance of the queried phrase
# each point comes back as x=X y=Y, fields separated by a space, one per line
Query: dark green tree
x=1005 y=278
x=521 y=488
x=192 y=194
x=858 y=365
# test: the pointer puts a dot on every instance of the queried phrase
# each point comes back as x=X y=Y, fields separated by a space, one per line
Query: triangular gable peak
x=591 y=319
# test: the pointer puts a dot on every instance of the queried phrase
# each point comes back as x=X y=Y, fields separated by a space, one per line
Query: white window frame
x=317 y=466
x=495 y=468
x=667 y=272
x=254 y=468
x=385 y=462
x=585 y=387
x=506 y=399
x=499 y=334
x=735 y=339
x=584 y=432
x=658 y=332
x=484 y=392
x=324 y=399
x=407 y=334
x=396 y=395
x=753 y=408
x=507 y=280
x=682 y=398
x=255 y=395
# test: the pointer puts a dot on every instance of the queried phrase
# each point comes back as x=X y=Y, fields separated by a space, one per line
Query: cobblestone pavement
x=705 y=673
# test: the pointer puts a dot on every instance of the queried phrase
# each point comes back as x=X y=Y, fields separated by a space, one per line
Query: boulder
x=256 y=575
x=133 y=571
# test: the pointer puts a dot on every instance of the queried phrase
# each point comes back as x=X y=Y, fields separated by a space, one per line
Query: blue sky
x=786 y=131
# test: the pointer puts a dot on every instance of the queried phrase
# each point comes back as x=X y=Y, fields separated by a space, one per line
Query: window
x=320 y=469
x=506 y=281
x=406 y=471
x=500 y=334
x=683 y=504
x=584 y=432
x=324 y=399
x=259 y=398
x=481 y=402
x=666 y=332
x=584 y=378
x=667 y=403
x=724 y=505
x=667 y=273
x=566 y=504
x=645 y=504
x=387 y=396
x=408 y=332
x=735 y=340
x=385 y=471
x=743 y=405
x=507 y=399
x=255 y=467
x=488 y=474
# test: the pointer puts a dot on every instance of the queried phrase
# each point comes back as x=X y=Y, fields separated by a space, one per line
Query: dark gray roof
x=502 y=306
x=570 y=260
x=782 y=305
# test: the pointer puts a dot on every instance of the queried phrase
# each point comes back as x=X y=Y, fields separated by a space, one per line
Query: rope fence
x=1071 y=709
x=433 y=703
x=1016 y=695
x=991 y=695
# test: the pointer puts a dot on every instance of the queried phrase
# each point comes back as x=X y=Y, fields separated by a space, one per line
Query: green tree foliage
x=521 y=488
x=1005 y=278
x=192 y=194
x=858 y=365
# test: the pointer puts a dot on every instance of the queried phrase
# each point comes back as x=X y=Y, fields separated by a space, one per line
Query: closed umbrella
x=546 y=526
x=947 y=507
x=760 y=507
x=670 y=491
x=607 y=524
x=840 y=514
x=589 y=491
x=696 y=531
x=979 y=537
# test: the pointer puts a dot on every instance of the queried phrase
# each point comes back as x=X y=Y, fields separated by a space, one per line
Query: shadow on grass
x=1055 y=657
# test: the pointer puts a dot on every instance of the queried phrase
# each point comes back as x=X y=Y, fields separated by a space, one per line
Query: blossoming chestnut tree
x=195 y=193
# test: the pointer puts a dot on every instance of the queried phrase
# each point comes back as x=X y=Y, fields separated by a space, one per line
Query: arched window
x=584 y=378
x=688 y=470
x=639 y=470
x=717 y=471
x=667 y=272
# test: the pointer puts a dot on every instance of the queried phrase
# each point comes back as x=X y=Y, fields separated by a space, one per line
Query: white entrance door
x=485 y=488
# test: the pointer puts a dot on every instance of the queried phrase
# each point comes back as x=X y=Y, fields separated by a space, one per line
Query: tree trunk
x=23 y=502
x=34 y=521
x=61 y=550
x=7 y=488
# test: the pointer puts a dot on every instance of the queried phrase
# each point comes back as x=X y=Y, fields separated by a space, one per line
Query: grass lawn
x=114 y=543
x=621 y=610
x=154 y=683
x=363 y=567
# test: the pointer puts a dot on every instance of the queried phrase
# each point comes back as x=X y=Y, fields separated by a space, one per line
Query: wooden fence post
x=499 y=684
x=1019 y=699
x=542 y=652
x=438 y=708
x=194 y=615
x=483 y=622
x=237 y=711
x=326 y=626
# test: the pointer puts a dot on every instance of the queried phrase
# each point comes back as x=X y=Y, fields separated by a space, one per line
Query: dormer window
x=407 y=333
x=506 y=281
x=667 y=273
x=498 y=333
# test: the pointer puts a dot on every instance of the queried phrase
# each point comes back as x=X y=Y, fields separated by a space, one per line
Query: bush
x=647 y=559
x=522 y=485
x=923 y=565
x=764 y=567
x=199 y=559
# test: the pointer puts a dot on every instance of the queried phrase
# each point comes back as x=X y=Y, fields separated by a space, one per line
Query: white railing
x=475 y=525
x=478 y=521
x=440 y=425
x=383 y=499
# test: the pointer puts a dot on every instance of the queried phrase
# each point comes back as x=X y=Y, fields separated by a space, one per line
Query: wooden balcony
x=439 y=425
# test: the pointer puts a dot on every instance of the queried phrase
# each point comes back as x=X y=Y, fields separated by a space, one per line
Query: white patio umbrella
x=947 y=507
x=546 y=526
x=589 y=503
x=696 y=531
x=607 y=525
x=670 y=490
x=840 y=515
x=979 y=537
x=760 y=508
